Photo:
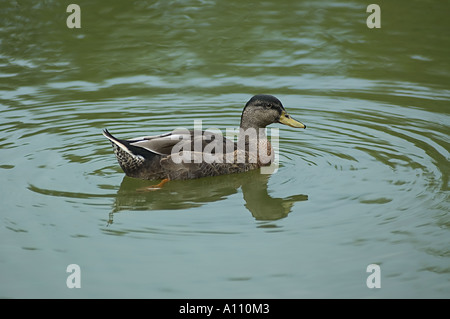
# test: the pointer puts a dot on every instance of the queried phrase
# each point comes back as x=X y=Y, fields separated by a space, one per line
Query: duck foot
x=153 y=187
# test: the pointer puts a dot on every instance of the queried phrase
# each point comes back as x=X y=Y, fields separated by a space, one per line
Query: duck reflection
x=194 y=193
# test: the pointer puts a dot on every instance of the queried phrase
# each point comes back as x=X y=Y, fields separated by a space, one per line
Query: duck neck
x=249 y=133
x=254 y=141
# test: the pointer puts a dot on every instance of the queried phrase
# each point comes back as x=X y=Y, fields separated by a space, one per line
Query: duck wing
x=161 y=144
x=175 y=141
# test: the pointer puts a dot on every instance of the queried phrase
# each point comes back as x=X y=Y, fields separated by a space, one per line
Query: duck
x=184 y=154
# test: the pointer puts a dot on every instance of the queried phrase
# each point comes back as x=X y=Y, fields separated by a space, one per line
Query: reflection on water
x=194 y=193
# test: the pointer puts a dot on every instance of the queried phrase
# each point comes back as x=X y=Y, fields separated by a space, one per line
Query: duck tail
x=123 y=145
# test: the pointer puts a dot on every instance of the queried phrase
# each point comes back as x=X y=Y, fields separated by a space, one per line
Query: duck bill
x=286 y=119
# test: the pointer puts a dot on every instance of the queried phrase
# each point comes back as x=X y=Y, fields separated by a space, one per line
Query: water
x=366 y=183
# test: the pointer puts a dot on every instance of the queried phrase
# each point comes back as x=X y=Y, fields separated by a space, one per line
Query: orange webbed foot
x=154 y=187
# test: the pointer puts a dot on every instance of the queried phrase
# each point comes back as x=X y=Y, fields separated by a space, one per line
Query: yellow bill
x=286 y=119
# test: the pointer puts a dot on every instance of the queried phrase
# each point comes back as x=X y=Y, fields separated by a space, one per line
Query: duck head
x=262 y=110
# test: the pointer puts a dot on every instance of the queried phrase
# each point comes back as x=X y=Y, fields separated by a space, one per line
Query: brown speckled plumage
x=157 y=157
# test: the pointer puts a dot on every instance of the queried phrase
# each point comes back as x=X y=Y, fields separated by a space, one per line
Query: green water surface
x=366 y=183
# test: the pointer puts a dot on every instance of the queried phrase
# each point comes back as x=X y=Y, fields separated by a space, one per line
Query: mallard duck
x=189 y=154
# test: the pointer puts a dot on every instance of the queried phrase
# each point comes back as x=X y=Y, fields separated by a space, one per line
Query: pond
x=366 y=183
